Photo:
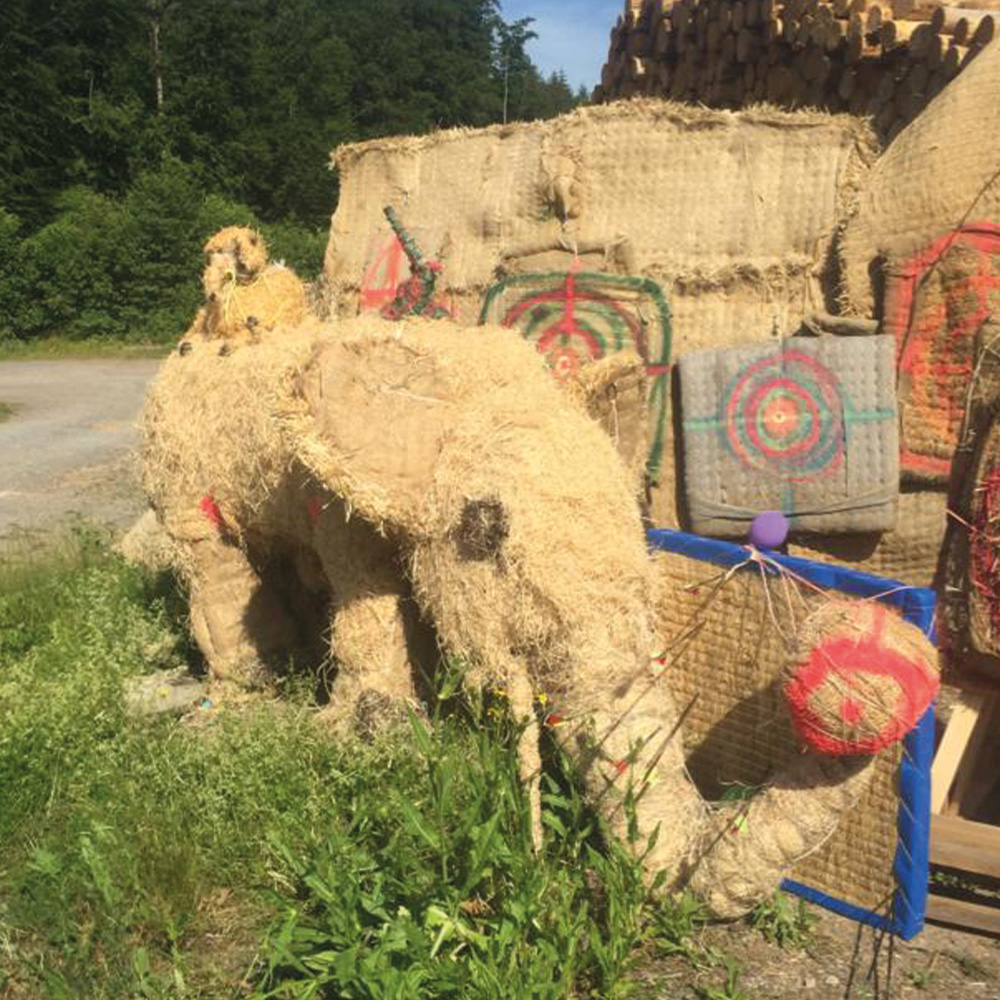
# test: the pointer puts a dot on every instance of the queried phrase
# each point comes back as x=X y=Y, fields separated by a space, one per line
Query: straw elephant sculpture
x=421 y=464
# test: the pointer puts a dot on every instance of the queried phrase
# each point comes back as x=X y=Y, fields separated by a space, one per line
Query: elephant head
x=452 y=455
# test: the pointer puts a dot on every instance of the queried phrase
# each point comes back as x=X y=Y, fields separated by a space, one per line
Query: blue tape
x=905 y=916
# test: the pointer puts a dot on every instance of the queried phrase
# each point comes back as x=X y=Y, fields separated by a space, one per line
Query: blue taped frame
x=906 y=911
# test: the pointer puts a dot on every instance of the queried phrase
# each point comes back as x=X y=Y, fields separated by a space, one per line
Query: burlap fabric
x=806 y=426
x=941 y=172
x=732 y=213
x=910 y=553
x=971 y=607
x=936 y=305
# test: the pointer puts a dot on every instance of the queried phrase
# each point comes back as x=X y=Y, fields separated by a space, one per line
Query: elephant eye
x=482 y=529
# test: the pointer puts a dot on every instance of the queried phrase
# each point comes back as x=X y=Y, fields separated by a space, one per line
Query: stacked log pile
x=867 y=57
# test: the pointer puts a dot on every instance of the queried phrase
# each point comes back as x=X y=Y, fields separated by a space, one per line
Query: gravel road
x=69 y=448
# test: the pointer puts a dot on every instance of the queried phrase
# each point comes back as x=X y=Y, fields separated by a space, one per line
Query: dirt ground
x=68 y=447
x=939 y=964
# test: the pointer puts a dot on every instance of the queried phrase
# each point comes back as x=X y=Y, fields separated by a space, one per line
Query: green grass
x=786 y=922
x=50 y=348
x=247 y=854
x=6 y=411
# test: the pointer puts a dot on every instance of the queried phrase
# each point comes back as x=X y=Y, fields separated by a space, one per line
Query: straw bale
x=712 y=204
x=939 y=173
x=910 y=553
x=971 y=609
x=984 y=592
x=937 y=307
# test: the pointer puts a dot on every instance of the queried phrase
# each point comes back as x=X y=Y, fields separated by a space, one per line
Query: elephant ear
x=372 y=414
x=614 y=391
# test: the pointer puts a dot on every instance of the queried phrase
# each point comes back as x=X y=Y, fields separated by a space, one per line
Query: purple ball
x=769 y=530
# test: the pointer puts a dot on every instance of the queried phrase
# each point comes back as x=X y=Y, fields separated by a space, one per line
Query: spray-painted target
x=574 y=322
x=784 y=415
x=577 y=316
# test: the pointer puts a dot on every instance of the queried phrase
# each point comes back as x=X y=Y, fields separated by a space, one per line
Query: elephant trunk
x=625 y=737
x=745 y=850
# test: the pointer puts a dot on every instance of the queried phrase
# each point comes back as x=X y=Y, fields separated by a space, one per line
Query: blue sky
x=572 y=35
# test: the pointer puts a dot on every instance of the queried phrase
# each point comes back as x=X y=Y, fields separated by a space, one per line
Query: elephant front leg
x=238 y=623
x=370 y=631
x=374 y=683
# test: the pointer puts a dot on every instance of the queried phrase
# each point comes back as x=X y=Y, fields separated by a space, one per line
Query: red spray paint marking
x=847 y=657
x=917 y=336
x=985 y=544
x=315 y=508
x=384 y=275
x=211 y=510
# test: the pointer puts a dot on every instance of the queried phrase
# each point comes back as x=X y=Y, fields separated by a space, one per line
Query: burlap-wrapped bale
x=807 y=426
x=936 y=305
x=910 y=553
x=940 y=173
x=972 y=564
x=732 y=213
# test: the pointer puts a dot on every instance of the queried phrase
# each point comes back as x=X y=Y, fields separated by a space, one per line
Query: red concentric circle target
x=784 y=414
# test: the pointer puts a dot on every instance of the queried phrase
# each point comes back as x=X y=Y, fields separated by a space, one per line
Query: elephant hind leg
x=237 y=621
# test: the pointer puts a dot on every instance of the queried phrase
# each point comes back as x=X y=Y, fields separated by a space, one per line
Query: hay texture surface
x=727 y=642
x=245 y=295
x=859 y=678
x=940 y=173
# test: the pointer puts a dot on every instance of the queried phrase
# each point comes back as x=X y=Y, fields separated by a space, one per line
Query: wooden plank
x=956 y=737
x=962 y=792
x=963 y=914
x=970 y=847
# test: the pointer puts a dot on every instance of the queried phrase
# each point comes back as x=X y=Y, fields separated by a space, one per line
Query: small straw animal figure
x=245 y=294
